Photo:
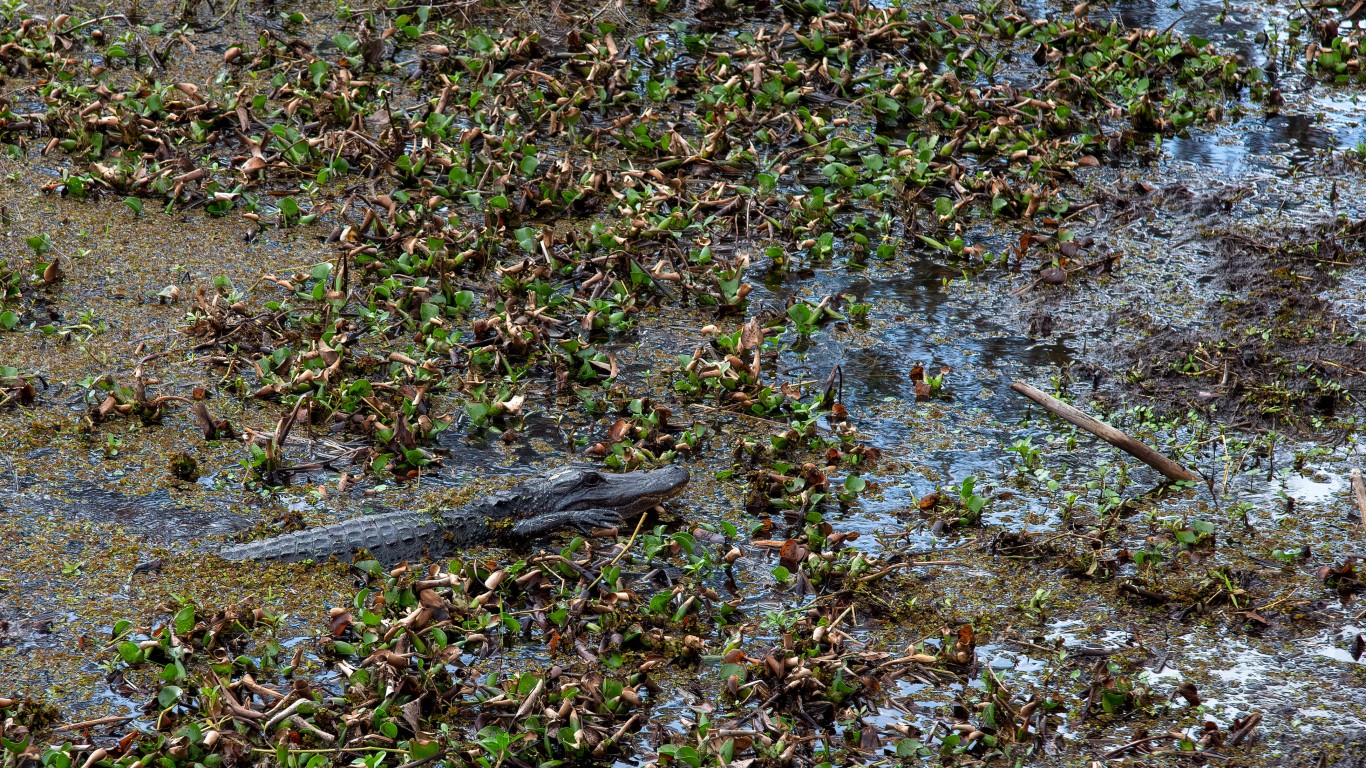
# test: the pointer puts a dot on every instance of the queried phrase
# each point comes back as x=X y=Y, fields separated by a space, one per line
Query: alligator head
x=629 y=493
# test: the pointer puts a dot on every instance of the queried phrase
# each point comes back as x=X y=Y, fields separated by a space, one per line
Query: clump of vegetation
x=1279 y=354
x=184 y=467
x=553 y=233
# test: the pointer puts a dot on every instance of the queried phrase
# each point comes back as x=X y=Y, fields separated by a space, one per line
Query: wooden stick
x=261 y=689
x=1359 y=491
x=1248 y=727
x=95 y=722
x=1107 y=433
x=1117 y=751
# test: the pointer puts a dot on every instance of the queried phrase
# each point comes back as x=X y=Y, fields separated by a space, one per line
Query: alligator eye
x=593 y=479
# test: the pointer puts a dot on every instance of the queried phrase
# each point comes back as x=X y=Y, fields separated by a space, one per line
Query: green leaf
x=685 y=541
x=689 y=756
x=660 y=602
x=184 y=620
x=421 y=749
x=130 y=652
x=909 y=748
x=801 y=314
x=56 y=757
x=527 y=238
x=931 y=242
x=168 y=696
x=526 y=684
x=727 y=670
x=480 y=42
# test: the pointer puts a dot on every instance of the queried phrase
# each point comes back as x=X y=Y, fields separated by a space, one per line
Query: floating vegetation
x=636 y=235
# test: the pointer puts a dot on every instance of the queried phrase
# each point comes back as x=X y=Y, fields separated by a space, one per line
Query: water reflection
x=1213 y=20
x=158 y=516
x=1257 y=143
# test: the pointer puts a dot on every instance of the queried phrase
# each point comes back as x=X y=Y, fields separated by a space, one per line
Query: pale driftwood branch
x=1359 y=491
x=95 y=722
x=1109 y=434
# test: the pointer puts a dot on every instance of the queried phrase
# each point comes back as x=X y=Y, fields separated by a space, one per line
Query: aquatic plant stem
x=629 y=542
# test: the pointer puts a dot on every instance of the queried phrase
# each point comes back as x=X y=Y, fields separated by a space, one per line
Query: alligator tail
x=381 y=535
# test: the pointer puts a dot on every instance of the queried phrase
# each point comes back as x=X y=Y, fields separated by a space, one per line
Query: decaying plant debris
x=1281 y=352
x=608 y=224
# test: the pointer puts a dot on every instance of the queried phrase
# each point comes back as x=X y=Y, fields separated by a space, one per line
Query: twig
x=603 y=570
x=1144 y=592
x=304 y=725
x=95 y=722
x=1187 y=754
x=627 y=726
x=875 y=575
x=1359 y=491
x=1091 y=690
x=1079 y=211
x=1035 y=646
x=1109 y=434
x=1116 y=752
x=1253 y=720
x=423 y=761
x=95 y=757
x=335 y=751
x=240 y=712
x=261 y=689
x=286 y=712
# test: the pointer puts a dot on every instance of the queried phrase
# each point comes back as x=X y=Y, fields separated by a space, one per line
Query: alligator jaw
x=630 y=493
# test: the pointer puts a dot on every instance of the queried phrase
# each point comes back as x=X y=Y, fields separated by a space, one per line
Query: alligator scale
x=577 y=497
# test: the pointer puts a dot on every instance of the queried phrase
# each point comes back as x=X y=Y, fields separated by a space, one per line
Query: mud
x=1272 y=351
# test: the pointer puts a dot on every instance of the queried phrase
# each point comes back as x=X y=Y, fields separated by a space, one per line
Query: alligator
x=576 y=496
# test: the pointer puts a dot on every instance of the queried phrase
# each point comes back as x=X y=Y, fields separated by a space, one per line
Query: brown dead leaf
x=792 y=554
x=339 y=623
x=1188 y=691
x=620 y=430
x=751 y=335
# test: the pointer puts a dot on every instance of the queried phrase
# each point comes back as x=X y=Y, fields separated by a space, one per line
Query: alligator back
x=533 y=508
x=388 y=537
